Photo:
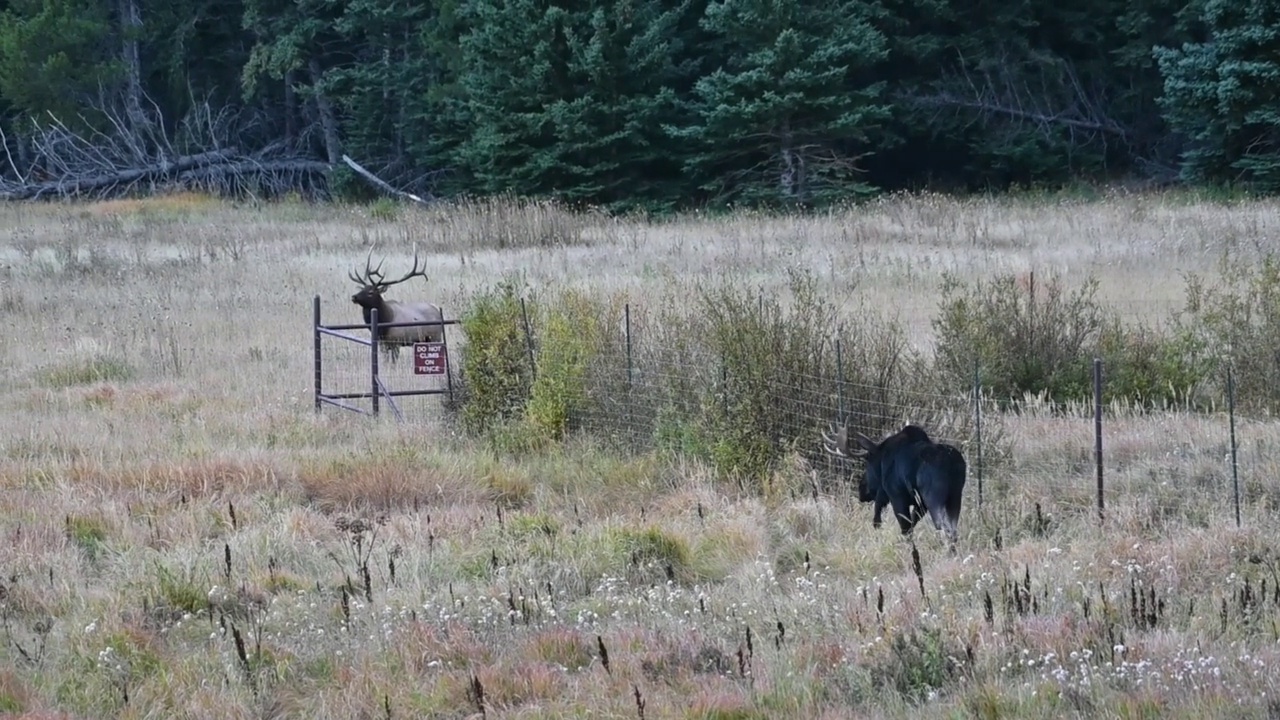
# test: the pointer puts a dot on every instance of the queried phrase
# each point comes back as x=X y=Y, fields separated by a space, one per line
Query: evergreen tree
x=1223 y=95
x=787 y=117
x=570 y=102
x=55 y=55
x=193 y=52
x=296 y=43
x=373 y=86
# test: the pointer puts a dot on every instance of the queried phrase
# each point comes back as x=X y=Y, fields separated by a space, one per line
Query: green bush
x=774 y=365
x=757 y=379
x=496 y=372
x=1152 y=368
x=1024 y=339
x=571 y=335
x=1042 y=340
x=1236 y=324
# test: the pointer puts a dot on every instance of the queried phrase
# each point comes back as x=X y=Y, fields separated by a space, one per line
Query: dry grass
x=181 y=536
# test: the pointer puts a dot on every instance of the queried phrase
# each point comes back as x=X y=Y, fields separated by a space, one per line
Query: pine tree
x=785 y=120
x=1224 y=95
x=54 y=57
x=570 y=102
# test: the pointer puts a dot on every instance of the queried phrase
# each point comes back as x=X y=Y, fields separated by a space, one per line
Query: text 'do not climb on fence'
x=430 y=358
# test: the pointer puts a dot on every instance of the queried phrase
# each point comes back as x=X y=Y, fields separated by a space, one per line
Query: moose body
x=910 y=473
x=370 y=297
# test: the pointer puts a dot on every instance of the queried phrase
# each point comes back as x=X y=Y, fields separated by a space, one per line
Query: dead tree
x=137 y=154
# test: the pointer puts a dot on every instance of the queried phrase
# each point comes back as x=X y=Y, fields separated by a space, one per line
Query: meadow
x=182 y=535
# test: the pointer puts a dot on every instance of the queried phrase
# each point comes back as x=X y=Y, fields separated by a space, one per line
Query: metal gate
x=428 y=359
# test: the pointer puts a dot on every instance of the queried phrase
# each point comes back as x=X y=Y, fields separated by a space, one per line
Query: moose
x=394 y=312
x=909 y=472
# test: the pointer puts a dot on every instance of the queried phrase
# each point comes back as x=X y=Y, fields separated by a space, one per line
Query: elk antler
x=371 y=276
x=415 y=272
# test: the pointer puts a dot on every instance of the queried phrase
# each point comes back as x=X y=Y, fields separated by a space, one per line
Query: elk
x=370 y=297
x=909 y=472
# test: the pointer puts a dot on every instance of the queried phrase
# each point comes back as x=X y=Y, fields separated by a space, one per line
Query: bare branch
x=120 y=154
x=1043 y=91
x=381 y=184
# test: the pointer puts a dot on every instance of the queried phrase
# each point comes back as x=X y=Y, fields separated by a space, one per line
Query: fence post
x=1097 y=431
x=626 y=319
x=315 y=331
x=840 y=381
x=373 y=359
x=448 y=357
x=977 y=424
x=1235 y=468
x=528 y=337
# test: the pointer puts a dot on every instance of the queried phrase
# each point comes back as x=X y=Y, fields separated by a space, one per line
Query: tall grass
x=196 y=541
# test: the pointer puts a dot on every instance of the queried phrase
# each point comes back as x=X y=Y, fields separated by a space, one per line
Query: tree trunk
x=130 y=32
x=787 y=179
x=328 y=119
x=402 y=109
x=290 y=108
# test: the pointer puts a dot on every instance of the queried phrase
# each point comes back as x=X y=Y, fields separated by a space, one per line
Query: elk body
x=909 y=472
x=370 y=297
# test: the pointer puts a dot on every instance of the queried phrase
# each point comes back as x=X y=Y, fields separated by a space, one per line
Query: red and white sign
x=430 y=358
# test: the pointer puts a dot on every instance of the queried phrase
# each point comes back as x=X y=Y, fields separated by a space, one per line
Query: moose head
x=909 y=472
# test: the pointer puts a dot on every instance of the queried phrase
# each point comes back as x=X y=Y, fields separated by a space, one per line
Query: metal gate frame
x=377 y=390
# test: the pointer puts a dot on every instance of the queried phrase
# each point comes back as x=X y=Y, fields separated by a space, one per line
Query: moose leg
x=905 y=511
x=881 y=501
x=953 y=517
x=945 y=519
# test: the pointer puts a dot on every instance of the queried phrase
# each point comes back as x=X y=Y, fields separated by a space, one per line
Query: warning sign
x=430 y=358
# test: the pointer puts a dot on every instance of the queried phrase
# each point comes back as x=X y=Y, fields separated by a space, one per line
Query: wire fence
x=649 y=390
x=388 y=373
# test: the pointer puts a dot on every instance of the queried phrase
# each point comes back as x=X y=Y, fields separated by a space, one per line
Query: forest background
x=650 y=105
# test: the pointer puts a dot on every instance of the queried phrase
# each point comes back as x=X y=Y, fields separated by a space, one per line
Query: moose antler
x=837 y=442
x=372 y=277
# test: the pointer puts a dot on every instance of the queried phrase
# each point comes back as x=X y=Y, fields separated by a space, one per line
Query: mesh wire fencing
x=648 y=389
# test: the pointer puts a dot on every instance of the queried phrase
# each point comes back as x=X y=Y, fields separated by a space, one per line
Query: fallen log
x=382 y=184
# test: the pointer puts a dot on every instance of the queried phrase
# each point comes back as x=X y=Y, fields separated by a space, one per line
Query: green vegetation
x=87 y=371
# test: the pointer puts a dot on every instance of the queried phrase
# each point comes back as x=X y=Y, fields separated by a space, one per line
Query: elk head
x=373 y=284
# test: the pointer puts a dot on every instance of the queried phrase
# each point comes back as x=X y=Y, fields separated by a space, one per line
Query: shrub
x=1152 y=367
x=572 y=334
x=1236 y=324
x=1025 y=339
x=1042 y=340
x=496 y=369
x=764 y=377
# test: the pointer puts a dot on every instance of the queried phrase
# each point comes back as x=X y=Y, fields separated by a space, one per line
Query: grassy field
x=182 y=536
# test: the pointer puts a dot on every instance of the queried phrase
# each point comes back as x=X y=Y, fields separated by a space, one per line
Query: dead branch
x=121 y=155
x=381 y=184
x=1045 y=93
